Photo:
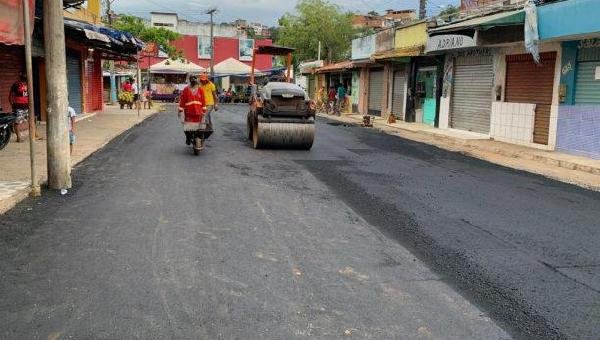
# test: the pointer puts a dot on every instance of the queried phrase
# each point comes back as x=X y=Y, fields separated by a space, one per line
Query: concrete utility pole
x=212 y=43
x=35 y=186
x=59 y=158
x=422 y=9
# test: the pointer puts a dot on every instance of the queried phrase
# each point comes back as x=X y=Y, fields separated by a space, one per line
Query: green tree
x=450 y=12
x=159 y=35
x=317 y=20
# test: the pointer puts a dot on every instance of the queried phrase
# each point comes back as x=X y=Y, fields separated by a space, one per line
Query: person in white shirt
x=71 y=114
x=136 y=94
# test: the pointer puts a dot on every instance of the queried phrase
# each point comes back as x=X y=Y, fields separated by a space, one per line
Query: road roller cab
x=280 y=99
x=281 y=115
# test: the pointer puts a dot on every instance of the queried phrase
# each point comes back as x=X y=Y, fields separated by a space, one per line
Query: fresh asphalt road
x=365 y=236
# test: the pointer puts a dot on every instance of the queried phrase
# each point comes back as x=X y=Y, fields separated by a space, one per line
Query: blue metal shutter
x=587 y=88
x=74 y=81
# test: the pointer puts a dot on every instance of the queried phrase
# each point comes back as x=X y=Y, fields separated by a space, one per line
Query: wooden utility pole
x=113 y=84
x=422 y=9
x=35 y=186
x=59 y=158
x=212 y=44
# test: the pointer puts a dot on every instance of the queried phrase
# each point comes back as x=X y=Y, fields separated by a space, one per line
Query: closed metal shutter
x=471 y=103
x=375 y=92
x=399 y=87
x=528 y=82
x=74 y=81
x=587 y=88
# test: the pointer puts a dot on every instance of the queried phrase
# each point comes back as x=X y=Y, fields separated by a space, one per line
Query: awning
x=232 y=66
x=11 y=21
x=111 y=43
x=412 y=51
x=509 y=18
x=341 y=66
x=170 y=66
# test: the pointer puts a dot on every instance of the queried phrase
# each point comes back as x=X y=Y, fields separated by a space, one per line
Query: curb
x=10 y=202
x=470 y=149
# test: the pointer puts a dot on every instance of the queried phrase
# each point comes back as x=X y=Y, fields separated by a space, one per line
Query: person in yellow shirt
x=210 y=96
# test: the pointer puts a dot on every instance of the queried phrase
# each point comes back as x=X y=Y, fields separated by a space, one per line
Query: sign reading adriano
x=448 y=42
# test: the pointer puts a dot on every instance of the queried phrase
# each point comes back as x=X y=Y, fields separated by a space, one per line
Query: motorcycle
x=7 y=121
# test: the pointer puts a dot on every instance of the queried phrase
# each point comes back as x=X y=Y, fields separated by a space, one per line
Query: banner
x=204 y=47
x=11 y=21
x=246 y=49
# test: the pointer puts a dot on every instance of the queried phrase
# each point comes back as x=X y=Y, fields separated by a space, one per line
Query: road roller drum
x=284 y=135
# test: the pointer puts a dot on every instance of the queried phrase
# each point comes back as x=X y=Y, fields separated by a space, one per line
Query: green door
x=426 y=88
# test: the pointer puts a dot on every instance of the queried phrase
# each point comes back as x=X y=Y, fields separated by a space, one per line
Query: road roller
x=281 y=115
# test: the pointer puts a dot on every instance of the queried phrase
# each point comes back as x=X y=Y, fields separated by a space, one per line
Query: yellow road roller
x=281 y=115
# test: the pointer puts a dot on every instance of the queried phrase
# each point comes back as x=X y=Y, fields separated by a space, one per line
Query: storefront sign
x=448 y=42
x=150 y=50
x=589 y=43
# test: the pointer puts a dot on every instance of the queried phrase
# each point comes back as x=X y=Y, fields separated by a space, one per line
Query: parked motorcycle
x=7 y=121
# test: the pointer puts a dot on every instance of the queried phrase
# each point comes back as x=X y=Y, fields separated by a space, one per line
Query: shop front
x=576 y=24
x=407 y=91
x=579 y=113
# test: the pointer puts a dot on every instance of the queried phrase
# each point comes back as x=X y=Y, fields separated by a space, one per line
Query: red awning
x=11 y=21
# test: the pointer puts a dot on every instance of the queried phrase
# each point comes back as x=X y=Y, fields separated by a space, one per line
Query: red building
x=225 y=48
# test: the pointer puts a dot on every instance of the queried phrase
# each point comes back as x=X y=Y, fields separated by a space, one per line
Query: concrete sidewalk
x=560 y=166
x=93 y=132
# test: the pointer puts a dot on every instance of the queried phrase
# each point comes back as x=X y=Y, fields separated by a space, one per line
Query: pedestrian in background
x=18 y=98
x=210 y=96
x=136 y=94
x=71 y=114
x=341 y=97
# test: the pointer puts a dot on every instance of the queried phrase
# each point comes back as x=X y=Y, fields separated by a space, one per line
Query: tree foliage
x=450 y=12
x=159 y=35
x=317 y=20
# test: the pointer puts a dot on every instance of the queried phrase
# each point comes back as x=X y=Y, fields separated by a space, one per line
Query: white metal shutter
x=375 y=92
x=471 y=104
x=398 y=94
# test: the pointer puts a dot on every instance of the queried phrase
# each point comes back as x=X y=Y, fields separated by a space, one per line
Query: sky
x=263 y=11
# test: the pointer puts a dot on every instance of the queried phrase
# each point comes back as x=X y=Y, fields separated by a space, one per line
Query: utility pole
x=212 y=44
x=59 y=158
x=113 y=82
x=422 y=9
x=35 y=186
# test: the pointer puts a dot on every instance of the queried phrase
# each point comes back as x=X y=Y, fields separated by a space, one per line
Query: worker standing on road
x=210 y=96
x=192 y=105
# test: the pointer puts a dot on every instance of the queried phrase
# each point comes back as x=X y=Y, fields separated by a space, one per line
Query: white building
x=173 y=22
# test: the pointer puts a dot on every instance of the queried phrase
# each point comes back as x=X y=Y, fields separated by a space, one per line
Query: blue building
x=575 y=24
